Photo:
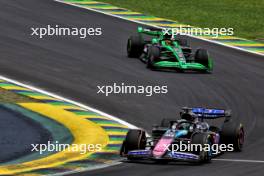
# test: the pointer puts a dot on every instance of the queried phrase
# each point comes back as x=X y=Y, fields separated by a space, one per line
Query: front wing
x=147 y=154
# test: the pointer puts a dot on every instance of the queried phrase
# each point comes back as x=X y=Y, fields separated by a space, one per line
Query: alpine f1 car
x=191 y=129
x=166 y=51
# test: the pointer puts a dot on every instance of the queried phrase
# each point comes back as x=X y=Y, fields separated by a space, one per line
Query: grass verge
x=245 y=17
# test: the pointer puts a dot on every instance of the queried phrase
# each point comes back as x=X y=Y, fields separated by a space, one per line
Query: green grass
x=245 y=16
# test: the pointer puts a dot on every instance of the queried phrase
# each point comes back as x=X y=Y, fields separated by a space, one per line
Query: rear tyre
x=203 y=139
x=202 y=57
x=233 y=133
x=135 y=140
x=153 y=55
x=135 y=46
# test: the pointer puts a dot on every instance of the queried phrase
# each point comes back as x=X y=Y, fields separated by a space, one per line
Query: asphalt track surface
x=73 y=68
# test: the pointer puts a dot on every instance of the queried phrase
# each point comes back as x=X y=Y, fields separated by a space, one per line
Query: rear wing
x=205 y=113
x=150 y=31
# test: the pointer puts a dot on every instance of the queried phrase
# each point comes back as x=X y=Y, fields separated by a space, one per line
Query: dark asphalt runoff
x=73 y=68
x=17 y=133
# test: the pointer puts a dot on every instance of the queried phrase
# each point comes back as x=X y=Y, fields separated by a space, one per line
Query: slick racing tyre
x=202 y=57
x=233 y=133
x=202 y=139
x=135 y=140
x=153 y=55
x=135 y=46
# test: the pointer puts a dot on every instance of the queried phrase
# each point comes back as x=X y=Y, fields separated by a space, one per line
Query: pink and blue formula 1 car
x=190 y=130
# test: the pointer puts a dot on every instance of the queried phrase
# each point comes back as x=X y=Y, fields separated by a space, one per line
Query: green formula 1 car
x=164 y=50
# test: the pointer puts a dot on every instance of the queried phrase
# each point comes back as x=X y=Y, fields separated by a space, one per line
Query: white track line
x=70 y=101
x=86 y=169
x=116 y=16
x=240 y=160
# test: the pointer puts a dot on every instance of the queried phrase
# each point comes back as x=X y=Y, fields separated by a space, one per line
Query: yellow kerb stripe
x=83 y=131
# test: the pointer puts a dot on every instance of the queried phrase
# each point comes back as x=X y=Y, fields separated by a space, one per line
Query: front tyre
x=135 y=140
x=135 y=46
x=204 y=140
x=202 y=57
x=153 y=55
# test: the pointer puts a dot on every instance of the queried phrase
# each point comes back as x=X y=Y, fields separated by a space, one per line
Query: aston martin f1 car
x=191 y=129
x=165 y=50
